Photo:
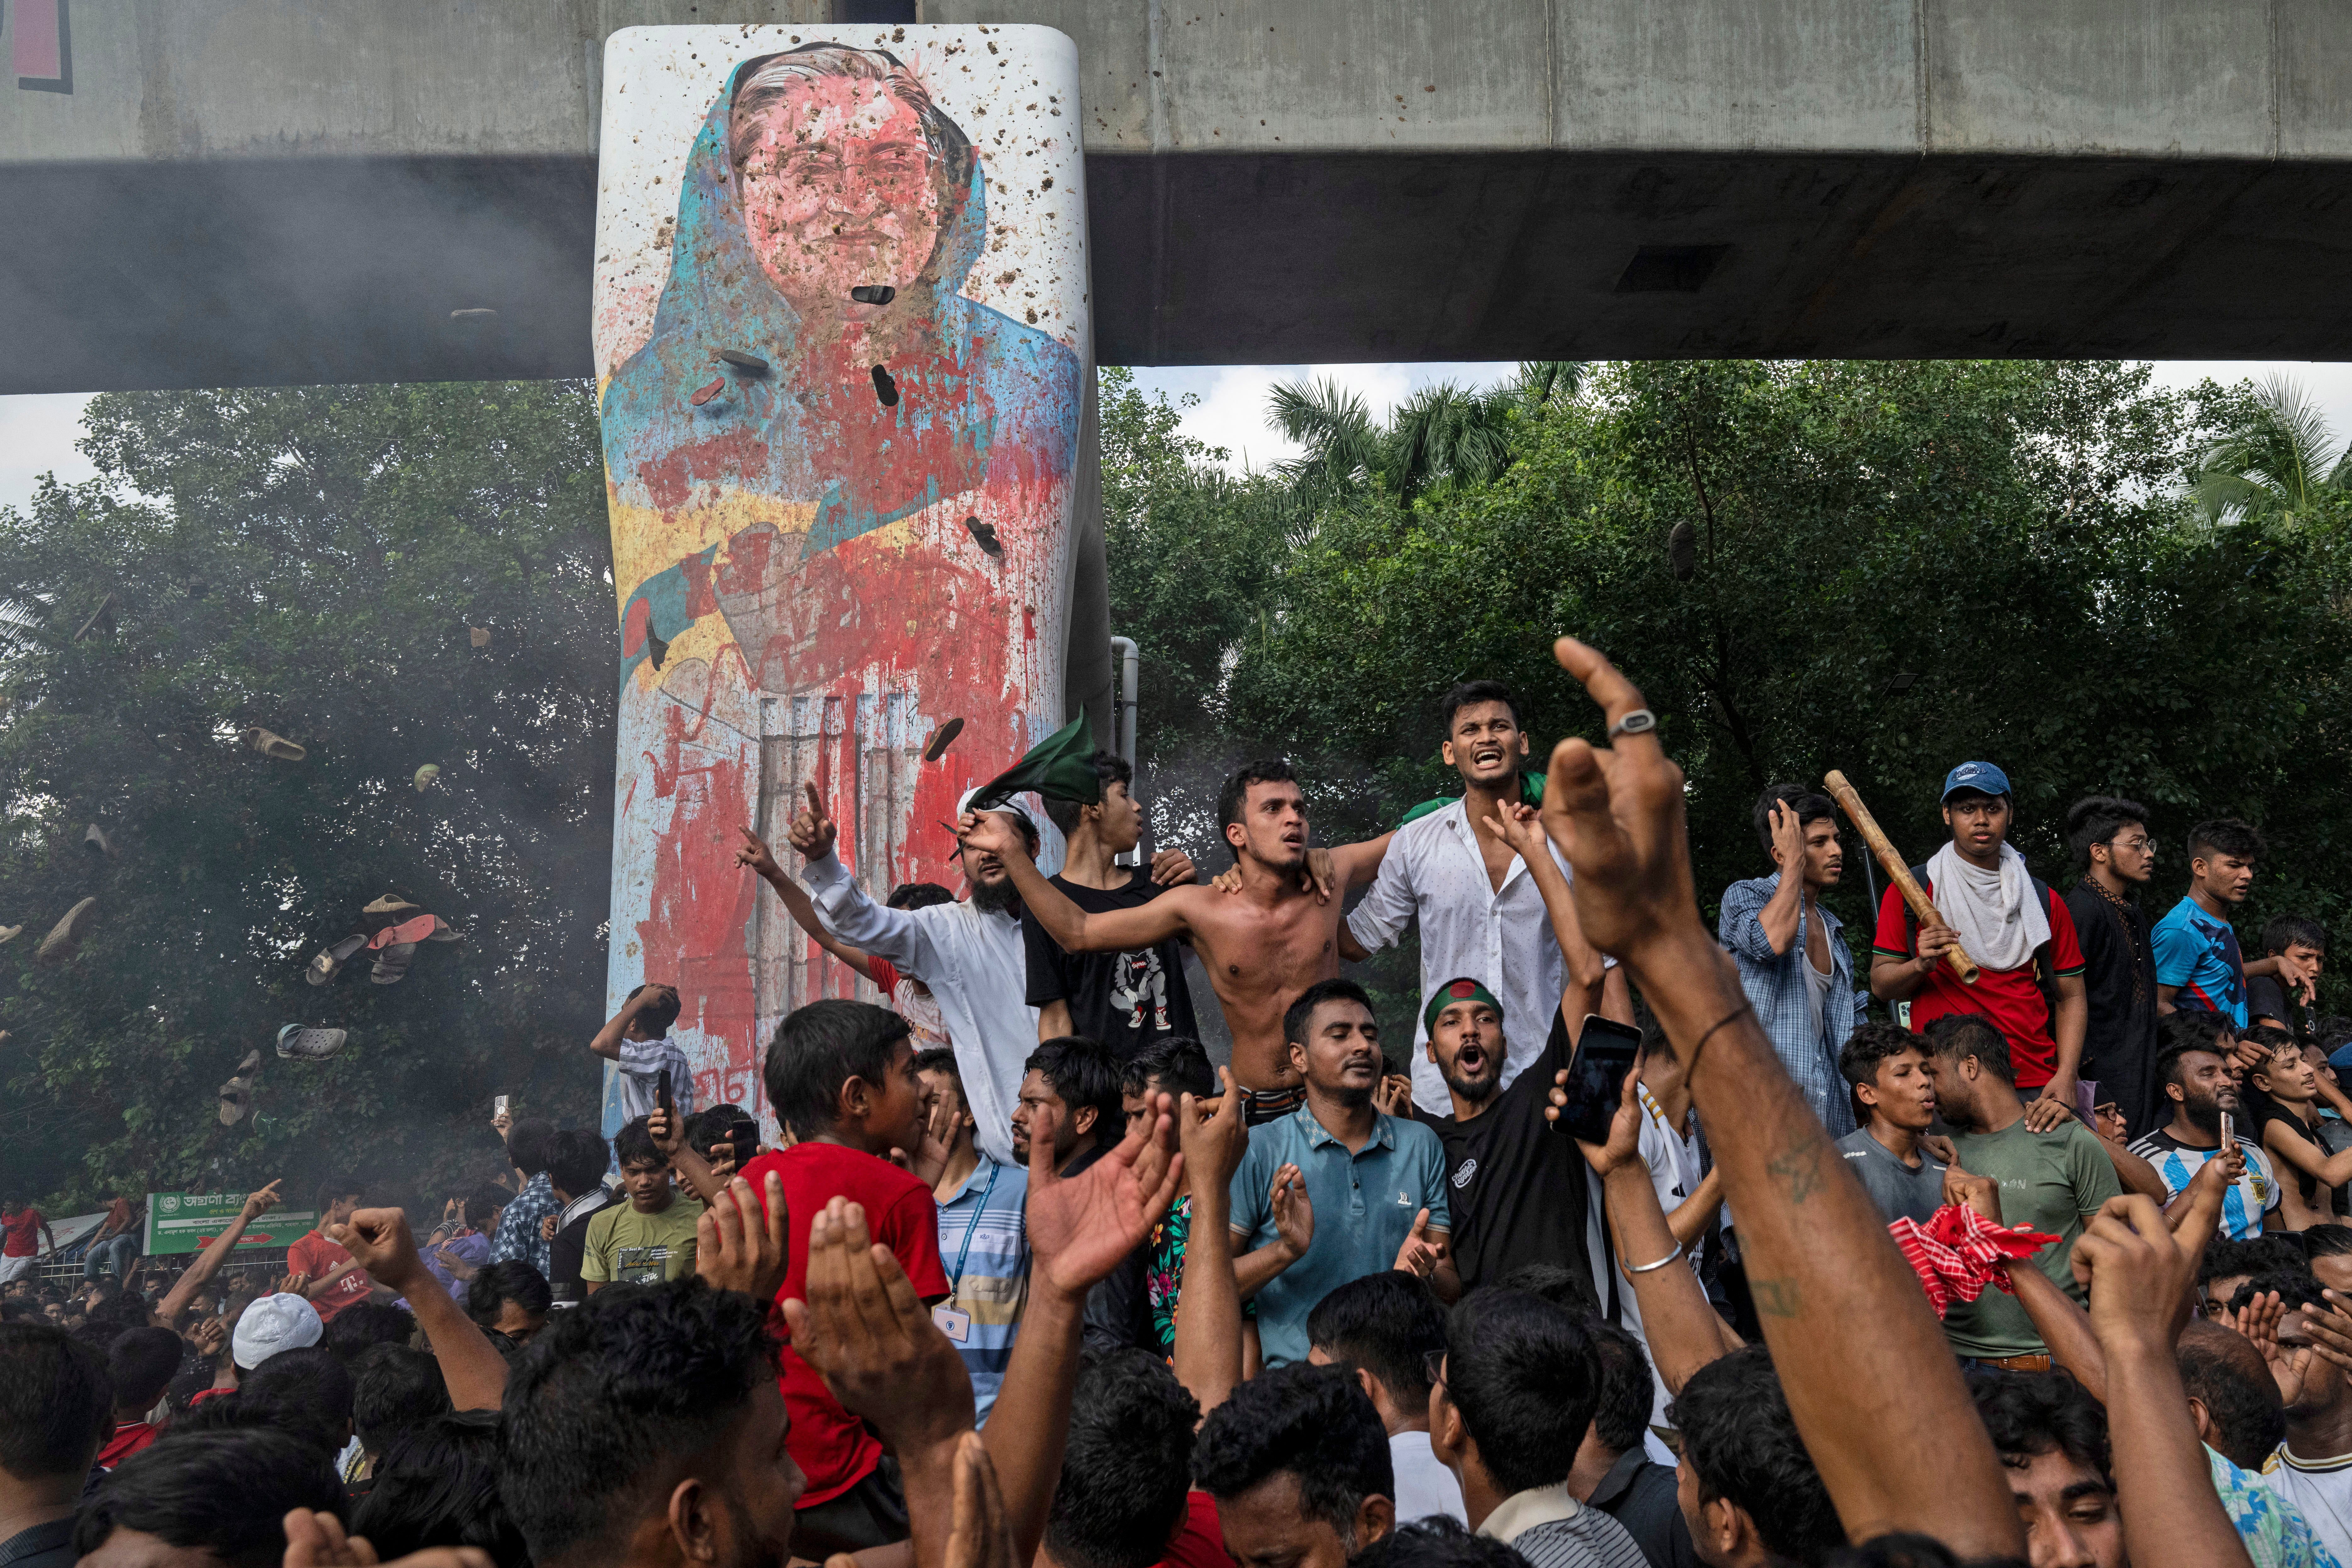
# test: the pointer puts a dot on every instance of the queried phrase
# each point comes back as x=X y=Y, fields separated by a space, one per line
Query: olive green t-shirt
x=2052 y=1181
x=626 y=1247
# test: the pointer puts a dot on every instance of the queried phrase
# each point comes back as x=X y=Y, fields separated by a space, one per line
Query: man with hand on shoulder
x=1793 y=962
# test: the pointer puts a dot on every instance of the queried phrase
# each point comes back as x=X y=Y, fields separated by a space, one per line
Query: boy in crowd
x=2054 y=1181
x=636 y=1041
x=328 y=1278
x=1380 y=1178
x=841 y=1075
x=1514 y=1399
x=1079 y=1079
x=2193 y=1074
x=576 y=1163
x=2110 y=840
x=2030 y=967
x=1895 y=1093
x=2288 y=1110
x=1129 y=1000
x=1298 y=1465
x=649 y=1238
x=2298 y=945
x=1384 y=1330
x=983 y=1239
x=2199 y=964
x=1135 y=1307
x=522 y=1227
x=57 y=1404
x=27 y=1236
x=1793 y=962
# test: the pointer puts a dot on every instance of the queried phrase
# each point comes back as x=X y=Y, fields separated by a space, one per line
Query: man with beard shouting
x=2193 y=1076
x=1263 y=944
x=968 y=952
x=1516 y=1185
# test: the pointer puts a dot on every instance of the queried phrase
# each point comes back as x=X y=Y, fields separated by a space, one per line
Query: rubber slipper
x=392 y=963
x=423 y=928
x=985 y=535
x=874 y=294
x=426 y=774
x=66 y=936
x=94 y=840
x=10 y=933
x=328 y=962
x=751 y=363
x=388 y=911
x=941 y=739
x=303 y=1043
x=273 y=745
x=481 y=635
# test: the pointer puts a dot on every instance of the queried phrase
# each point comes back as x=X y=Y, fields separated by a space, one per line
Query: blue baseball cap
x=1982 y=777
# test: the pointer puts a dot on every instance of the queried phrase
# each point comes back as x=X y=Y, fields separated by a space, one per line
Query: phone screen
x=1605 y=1053
x=2229 y=1133
x=663 y=1097
x=501 y=1102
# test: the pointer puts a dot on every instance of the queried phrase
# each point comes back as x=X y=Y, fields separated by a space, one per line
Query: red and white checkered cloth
x=1959 y=1252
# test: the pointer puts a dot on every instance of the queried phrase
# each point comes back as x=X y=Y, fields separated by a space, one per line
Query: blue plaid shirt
x=519 y=1228
x=1776 y=982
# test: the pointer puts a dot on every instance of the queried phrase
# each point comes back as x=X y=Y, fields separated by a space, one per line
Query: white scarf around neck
x=1998 y=920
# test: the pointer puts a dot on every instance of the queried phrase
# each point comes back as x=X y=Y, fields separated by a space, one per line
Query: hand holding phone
x=2229 y=1132
x=1606 y=1051
x=499 y=1105
x=664 y=1099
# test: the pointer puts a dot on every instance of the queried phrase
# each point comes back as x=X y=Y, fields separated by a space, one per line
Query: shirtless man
x=1262 y=946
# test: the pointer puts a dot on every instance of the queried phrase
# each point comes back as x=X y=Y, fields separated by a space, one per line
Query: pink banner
x=40 y=45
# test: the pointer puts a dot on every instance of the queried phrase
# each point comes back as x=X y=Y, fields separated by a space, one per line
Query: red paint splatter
x=695 y=933
x=738 y=455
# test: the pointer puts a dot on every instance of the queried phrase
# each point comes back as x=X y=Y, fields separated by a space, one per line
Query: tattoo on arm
x=1799 y=1166
x=1775 y=1297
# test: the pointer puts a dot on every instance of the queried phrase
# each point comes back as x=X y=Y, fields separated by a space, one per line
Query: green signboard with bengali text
x=184 y=1221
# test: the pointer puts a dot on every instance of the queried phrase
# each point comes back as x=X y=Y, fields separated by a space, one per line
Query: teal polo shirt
x=1364 y=1205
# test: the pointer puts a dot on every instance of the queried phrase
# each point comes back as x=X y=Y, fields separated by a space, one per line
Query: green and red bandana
x=1452 y=990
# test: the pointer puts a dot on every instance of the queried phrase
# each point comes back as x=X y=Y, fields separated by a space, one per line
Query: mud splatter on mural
x=841 y=332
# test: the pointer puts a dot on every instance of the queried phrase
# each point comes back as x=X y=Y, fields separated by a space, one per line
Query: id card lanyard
x=957 y=1325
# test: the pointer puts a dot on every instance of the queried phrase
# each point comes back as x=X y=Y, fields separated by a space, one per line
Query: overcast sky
x=38 y=434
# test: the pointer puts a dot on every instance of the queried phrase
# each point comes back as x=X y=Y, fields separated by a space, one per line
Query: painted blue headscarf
x=1000 y=385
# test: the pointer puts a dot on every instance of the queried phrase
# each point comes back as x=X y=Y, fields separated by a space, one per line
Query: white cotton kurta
x=978 y=972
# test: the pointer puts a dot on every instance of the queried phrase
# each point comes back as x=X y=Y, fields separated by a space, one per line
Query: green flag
x=1059 y=767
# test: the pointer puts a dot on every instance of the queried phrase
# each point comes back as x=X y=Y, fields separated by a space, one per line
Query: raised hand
x=666 y=1131
x=1293 y=1211
x=1422 y=1253
x=982 y=1535
x=2331 y=1332
x=1213 y=1145
x=261 y=1202
x=867 y=1332
x=1617 y=815
x=293 y=1284
x=2139 y=1273
x=379 y=1241
x=813 y=832
x=1788 y=837
x=1518 y=826
x=208 y=1336
x=1172 y=868
x=1624 y=1144
x=754 y=855
x=990 y=833
x=739 y=1247
x=1392 y=1096
x=1081 y=1226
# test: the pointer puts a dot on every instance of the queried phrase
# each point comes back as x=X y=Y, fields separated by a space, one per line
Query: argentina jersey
x=2253 y=1196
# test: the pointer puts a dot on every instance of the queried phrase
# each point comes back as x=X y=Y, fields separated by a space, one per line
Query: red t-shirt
x=316 y=1256
x=24 y=1233
x=831 y=1447
x=1201 y=1542
x=2011 y=998
x=128 y=1439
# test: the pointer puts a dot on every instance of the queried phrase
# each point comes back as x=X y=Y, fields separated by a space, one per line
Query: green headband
x=1452 y=990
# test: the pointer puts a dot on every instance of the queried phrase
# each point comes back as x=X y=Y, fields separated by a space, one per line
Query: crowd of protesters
x=2024 y=1243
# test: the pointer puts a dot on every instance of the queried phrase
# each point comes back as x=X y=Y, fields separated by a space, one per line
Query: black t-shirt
x=1125 y=1000
x=2268 y=1110
x=2266 y=998
x=2119 y=987
x=569 y=1250
x=1517 y=1183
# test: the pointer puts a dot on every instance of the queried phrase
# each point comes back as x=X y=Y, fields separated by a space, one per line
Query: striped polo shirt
x=984 y=1248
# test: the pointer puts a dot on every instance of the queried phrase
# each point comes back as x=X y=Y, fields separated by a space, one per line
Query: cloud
x=2330 y=382
x=37 y=435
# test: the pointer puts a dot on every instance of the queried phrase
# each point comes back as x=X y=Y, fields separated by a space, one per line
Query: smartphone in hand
x=1605 y=1052
x=664 y=1099
x=499 y=1105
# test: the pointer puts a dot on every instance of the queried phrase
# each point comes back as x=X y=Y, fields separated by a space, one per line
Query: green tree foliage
x=2013 y=533
x=309 y=561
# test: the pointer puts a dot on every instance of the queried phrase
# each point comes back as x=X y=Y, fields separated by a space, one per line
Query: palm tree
x=1443 y=435
x=2277 y=468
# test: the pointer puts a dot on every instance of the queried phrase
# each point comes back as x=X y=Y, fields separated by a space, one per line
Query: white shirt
x=2320 y=1490
x=1423 y=1487
x=1502 y=937
x=1674 y=1174
x=978 y=972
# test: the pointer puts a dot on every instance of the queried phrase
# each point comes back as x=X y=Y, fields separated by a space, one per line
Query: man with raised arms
x=1261 y=945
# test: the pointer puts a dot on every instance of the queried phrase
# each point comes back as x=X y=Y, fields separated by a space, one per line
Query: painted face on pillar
x=1272 y=828
x=1466 y=1044
x=838 y=191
